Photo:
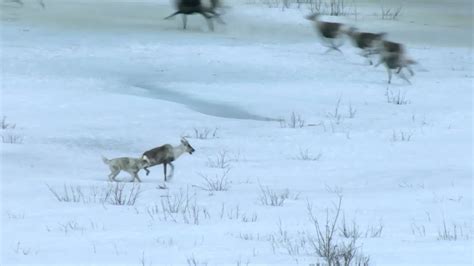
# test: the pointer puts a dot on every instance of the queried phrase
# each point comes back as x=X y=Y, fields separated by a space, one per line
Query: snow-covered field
x=81 y=79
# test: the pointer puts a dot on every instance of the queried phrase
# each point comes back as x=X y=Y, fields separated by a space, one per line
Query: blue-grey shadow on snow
x=200 y=105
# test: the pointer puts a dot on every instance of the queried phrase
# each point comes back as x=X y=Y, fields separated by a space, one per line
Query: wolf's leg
x=113 y=174
x=135 y=176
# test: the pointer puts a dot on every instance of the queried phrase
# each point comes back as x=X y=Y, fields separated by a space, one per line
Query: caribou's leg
x=172 y=170
x=172 y=15
x=217 y=16
x=410 y=70
x=185 y=20
x=332 y=46
x=389 y=75
x=404 y=77
x=366 y=53
x=209 y=20
x=164 y=168
x=146 y=170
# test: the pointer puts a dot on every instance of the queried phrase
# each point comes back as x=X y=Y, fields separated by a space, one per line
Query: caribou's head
x=312 y=17
x=187 y=146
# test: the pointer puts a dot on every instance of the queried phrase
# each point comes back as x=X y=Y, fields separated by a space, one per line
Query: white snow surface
x=82 y=78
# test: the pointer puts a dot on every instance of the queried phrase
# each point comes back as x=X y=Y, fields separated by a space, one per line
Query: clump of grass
x=404 y=136
x=9 y=136
x=294 y=121
x=452 y=232
x=220 y=160
x=204 y=133
x=216 y=183
x=305 y=155
x=115 y=194
x=270 y=197
x=390 y=13
x=397 y=98
x=326 y=245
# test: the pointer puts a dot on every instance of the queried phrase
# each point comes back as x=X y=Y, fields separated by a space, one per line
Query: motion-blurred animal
x=394 y=57
x=190 y=7
x=366 y=41
x=330 y=32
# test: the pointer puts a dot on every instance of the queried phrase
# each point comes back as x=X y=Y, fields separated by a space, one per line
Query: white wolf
x=129 y=165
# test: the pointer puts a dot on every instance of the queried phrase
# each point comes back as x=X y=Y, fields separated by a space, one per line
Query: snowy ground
x=82 y=79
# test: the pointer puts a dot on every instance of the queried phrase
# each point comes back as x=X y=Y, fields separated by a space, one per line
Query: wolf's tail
x=105 y=160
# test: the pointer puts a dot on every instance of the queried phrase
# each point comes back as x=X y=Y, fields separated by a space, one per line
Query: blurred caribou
x=330 y=32
x=393 y=56
x=366 y=41
x=190 y=7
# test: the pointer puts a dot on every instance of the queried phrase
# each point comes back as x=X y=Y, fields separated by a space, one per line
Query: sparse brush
x=401 y=136
x=332 y=250
x=4 y=125
x=390 y=13
x=204 y=133
x=216 y=183
x=295 y=121
x=8 y=135
x=351 y=231
x=325 y=7
x=177 y=202
x=418 y=230
x=396 y=97
x=335 y=116
x=351 y=111
x=452 y=233
x=20 y=249
x=324 y=243
x=304 y=155
x=249 y=219
x=192 y=261
x=374 y=231
x=69 y=194
x=179 y=207
x=294 y=245
x=271 y=197
x=115 y=194
x=221 y=160
x=12 y=139
x=71 y=226
x=194 y=213
x=122 y=196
